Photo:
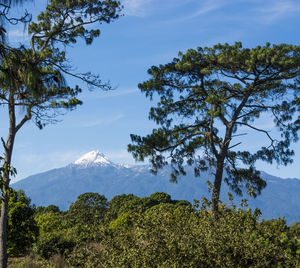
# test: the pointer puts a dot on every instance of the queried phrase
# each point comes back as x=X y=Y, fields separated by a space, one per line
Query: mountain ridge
x=96 y=173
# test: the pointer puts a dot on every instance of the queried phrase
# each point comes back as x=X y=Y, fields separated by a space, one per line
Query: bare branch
x=234 y=145
x=172 y=147
x=260 y=130
x=211 y=139
x=237 y=135
x=4 y=144
x=93 y=81
x=23 y=121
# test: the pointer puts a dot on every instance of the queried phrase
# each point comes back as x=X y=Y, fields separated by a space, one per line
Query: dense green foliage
x=295 y=230
x=156 y=231
x=208 y=98
x=22 y=228
x=88 y=208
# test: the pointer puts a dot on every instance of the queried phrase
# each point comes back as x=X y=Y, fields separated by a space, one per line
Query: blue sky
x=151 y=32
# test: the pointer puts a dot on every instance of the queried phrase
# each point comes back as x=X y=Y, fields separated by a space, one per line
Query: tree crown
x=209 y=96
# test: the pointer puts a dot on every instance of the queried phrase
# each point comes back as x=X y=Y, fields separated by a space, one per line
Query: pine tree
x=32 y=78
x=209 y=99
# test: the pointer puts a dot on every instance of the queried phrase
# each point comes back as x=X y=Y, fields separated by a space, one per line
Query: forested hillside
x=154 y=231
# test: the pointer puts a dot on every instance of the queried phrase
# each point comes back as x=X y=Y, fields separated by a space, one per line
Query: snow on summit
x=93 y=158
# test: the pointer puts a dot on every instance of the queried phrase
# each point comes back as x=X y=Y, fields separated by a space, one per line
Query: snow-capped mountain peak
x=93 y=158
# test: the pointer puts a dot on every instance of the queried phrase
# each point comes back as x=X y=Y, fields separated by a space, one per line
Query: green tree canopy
x=33 y=77
x=208 y=98
x=22 y=228
x=122 y=204
x=88 y=208
x=118 y=202
x=54 y=236
x=50 y=208
x=170 y=236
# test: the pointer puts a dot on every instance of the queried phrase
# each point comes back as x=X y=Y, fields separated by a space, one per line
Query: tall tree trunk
x=8 y=148
x=3 y=230
x=220 y=170
x=4 y=214
x=217 y=187
x=4 y=211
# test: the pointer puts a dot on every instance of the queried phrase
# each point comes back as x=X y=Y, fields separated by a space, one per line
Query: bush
x=22 y=228
x=176 y=236
x=57 y=261
x=295 y=230
x=50 y=244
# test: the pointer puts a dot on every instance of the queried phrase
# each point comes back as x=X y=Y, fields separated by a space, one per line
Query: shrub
x=177 y=236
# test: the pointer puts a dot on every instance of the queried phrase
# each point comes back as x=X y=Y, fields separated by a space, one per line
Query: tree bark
x=217 y=187
x=4 y=213
x=8 y=148
x=3 y=231
x=4 y=216
x=220 y=170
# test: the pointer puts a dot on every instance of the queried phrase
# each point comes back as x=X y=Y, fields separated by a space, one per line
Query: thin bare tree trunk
x=8 y=148
x=4 y=215
x=220 y=170
x=3 y=231
x=217 y=187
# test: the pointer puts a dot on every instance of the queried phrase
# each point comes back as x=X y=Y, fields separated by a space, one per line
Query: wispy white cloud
x=136 y=7
x=205 y=7
x=109 y=94
x=276 y=10
x=267 y=11
x=102 y=121
x=117 y=93
x=141 y=8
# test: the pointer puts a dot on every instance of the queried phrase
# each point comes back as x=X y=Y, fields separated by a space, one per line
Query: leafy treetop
x=35 y=75
x=209 y=97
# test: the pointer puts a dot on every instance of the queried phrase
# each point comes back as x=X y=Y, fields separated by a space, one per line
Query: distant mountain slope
x=93 y=172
